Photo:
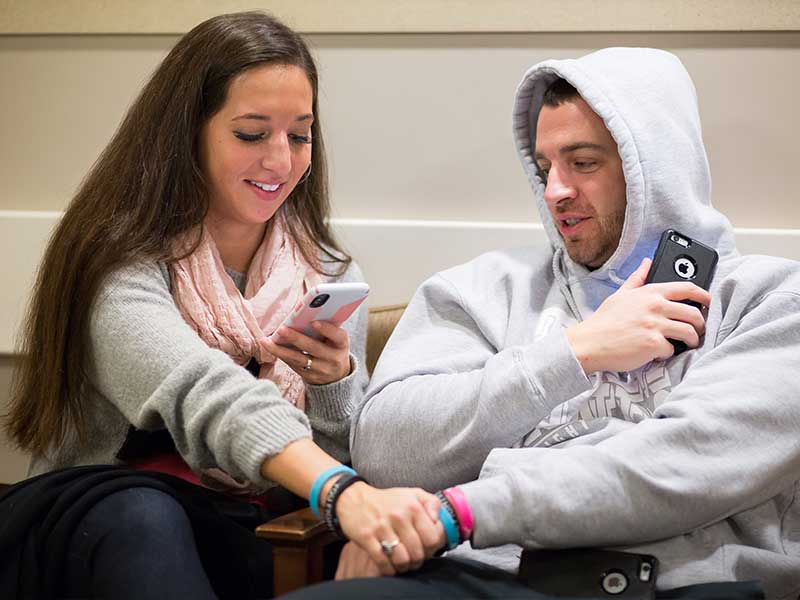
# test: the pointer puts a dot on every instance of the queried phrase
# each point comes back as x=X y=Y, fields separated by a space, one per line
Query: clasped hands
x=408 y=519
x=633 y=325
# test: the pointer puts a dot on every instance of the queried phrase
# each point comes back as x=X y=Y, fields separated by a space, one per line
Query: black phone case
x=584 y=573
x=663 y=269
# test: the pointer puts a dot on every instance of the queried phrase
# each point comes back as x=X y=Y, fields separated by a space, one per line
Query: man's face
x=585 y=186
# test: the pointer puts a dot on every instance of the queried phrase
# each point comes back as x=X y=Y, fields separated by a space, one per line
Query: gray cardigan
x=149 y=369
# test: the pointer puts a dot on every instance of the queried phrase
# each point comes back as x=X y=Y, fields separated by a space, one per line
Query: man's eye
x=249 y=137
x=583 y=165
x=300 y=139
x=543 y=173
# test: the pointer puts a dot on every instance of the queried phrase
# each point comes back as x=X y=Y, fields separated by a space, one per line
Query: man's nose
x=278 y=155
x=559 y=187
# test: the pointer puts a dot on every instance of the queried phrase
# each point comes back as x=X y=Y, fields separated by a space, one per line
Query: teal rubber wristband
x=450 y=528
x=316 y=488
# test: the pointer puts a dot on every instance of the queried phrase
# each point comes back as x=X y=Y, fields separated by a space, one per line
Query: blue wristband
x=450 y=528
x=313 y=498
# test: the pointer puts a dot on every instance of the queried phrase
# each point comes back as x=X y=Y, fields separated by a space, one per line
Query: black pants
x=109 y=532
x=138 y=543
x=458 y=578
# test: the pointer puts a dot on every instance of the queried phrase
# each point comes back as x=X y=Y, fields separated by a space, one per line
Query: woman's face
x=256 y=148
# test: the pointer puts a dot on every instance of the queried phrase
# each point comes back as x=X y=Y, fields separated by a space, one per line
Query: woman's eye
x=249 y=137
x=300 y=139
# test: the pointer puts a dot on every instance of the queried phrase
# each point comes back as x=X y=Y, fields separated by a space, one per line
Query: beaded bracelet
x=319 y=483
x=338 y=487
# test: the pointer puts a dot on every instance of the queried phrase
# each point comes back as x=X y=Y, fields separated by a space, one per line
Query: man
x=543 y=384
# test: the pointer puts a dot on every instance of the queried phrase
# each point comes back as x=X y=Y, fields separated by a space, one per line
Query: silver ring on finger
x=388 y=546
x=308 y=364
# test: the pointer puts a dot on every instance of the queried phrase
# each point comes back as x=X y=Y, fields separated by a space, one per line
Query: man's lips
x=570 y=224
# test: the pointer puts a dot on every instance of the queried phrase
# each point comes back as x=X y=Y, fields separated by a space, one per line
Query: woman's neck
x=237 y=244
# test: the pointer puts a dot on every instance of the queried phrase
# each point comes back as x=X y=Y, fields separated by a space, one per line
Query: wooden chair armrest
x=297 y=539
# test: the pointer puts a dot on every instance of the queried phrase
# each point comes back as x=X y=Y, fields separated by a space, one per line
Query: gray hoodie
x=695 y=459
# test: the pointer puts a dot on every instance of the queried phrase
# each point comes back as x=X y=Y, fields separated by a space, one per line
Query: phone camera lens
x=319 y=300
x=679 y=239
x=685 y=267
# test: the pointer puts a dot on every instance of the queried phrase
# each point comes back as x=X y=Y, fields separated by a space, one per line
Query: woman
x=200 y=226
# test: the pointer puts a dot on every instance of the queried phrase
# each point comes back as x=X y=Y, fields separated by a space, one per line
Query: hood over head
x=649 y=105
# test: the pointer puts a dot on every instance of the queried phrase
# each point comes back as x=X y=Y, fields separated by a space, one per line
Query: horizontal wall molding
x=395 y=255
x=404 y=16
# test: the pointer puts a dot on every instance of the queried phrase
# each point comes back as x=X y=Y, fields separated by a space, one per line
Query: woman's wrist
x=331 y=486
x=338 y=489
x=352 y=498
x=322 y=486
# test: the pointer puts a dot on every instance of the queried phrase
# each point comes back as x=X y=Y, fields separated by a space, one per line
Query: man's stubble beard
x=594 y=251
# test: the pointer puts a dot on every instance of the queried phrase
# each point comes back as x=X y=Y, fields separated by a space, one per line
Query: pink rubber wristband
x=463 y=512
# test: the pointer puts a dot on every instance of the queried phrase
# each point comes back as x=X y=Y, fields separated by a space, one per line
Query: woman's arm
x=330 y=399
x=149 y=364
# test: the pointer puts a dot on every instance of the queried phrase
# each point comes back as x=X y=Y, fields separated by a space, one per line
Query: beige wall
x=406 y=16
x=417 y=124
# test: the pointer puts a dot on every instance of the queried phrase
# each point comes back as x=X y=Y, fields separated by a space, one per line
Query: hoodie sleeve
x=724 y=441
x=442 y=395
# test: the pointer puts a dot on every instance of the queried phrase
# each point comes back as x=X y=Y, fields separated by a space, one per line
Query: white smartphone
x=331 y=302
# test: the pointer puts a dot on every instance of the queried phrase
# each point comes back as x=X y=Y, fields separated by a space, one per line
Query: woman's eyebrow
x=260 y=117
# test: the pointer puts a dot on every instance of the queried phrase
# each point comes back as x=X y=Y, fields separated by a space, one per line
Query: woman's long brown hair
x=145 y=189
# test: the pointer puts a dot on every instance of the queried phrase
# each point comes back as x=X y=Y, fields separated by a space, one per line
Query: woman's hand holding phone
x=311 y=340
x=318 y=362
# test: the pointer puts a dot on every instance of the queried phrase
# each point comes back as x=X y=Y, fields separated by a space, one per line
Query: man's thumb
x=638 y=277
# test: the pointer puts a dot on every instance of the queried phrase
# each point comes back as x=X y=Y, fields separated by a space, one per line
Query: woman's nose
x=278 y=155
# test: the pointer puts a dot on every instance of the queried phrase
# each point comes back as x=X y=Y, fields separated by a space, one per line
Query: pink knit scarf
x=238 y=323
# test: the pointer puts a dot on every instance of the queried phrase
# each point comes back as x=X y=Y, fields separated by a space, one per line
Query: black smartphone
x=590 y=574
x=680 y=258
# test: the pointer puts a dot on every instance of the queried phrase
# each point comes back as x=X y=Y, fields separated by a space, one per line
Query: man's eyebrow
x=260 y=117
x=582 y=146
x=573 y=147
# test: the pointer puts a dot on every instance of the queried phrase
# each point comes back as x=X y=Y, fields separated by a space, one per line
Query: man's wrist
x=580 y=349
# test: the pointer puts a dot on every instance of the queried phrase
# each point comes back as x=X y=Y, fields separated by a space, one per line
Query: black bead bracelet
x=329 y=511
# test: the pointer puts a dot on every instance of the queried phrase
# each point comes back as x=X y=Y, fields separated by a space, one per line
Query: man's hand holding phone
x=633 y=326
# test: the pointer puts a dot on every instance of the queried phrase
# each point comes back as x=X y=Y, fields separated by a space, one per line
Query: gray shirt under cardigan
x=149 y=369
